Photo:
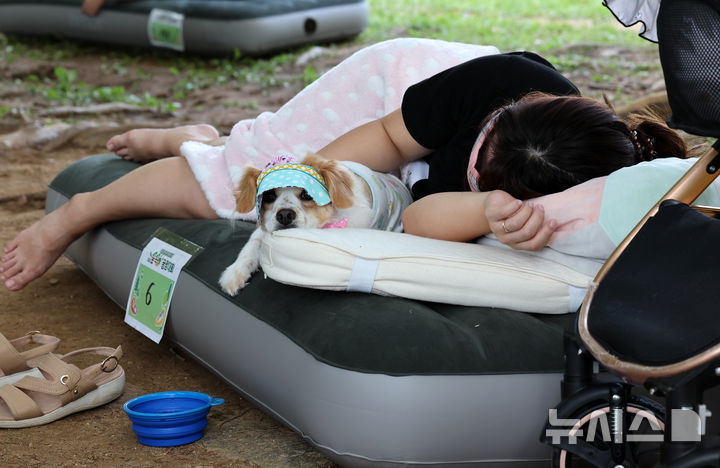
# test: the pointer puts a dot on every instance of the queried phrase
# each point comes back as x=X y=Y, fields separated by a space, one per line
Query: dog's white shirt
x=390 y=197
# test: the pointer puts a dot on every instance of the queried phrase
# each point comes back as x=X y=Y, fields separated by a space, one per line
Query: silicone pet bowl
x=167 y=419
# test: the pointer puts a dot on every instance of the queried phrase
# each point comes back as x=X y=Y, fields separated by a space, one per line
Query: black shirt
x=444 y=112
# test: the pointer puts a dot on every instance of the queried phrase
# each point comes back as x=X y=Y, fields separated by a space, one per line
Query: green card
x=165 y=29
x=161 y=262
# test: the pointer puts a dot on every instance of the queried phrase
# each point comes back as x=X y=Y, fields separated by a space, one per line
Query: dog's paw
x=234 y=279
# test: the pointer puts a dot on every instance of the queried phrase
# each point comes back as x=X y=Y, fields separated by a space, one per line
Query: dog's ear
x=246 y=191
x=338 y=179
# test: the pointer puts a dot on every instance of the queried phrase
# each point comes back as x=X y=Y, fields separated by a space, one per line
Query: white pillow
x=398 y=264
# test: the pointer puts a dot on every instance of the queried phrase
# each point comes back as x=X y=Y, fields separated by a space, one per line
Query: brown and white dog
x=352 y=205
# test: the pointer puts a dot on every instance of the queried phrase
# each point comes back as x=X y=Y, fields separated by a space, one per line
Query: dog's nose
x=285 y=217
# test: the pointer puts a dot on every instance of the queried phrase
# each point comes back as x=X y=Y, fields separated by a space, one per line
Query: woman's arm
x=455 y=216
x=463 y=216
x=383 y=145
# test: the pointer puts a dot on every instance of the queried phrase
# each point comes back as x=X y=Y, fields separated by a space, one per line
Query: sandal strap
x=12 y=361
x=66 y=380
x=109 y=364
x=62 y=376
x=100 y=351
x=48 y=344
x=20 y=404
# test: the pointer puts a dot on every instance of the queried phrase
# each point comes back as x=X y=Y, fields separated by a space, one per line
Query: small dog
x=314 y=193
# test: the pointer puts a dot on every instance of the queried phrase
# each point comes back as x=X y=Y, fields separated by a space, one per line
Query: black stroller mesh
x=689 y=45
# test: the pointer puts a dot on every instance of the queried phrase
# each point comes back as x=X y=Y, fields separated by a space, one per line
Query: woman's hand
x=520 y=225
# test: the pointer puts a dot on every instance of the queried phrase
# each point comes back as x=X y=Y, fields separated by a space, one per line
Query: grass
x=507 y=24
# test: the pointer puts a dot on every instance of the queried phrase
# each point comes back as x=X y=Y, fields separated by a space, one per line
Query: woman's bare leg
x=148 y=144
x=163 y=188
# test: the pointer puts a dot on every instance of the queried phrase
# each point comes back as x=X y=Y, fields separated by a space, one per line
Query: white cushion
x=398 y=264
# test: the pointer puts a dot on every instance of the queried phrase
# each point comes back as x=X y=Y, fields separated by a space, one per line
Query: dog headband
x=472 y=174
x=283 y=171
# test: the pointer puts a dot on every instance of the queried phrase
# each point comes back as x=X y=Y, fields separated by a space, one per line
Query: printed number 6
x=148 y=296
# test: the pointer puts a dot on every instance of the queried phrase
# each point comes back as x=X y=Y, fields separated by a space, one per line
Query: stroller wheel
x=645 y=426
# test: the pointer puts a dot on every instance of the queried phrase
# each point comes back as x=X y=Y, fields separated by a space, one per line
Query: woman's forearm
x=383 y=145
x=463 y=216
x=454 y=216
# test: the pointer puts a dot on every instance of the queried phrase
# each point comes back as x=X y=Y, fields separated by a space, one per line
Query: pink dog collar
x=337 y=224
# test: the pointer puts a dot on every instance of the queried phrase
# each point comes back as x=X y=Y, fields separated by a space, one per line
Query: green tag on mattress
x=153 y=285
x=165 y=29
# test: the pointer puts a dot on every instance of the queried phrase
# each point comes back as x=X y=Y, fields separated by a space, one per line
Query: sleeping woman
x=491 y=130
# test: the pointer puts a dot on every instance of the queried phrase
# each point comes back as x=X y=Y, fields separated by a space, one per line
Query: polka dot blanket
x=367 y=85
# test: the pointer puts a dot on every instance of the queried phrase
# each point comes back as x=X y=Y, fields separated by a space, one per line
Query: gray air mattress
x=368 y=380
x=202 y=26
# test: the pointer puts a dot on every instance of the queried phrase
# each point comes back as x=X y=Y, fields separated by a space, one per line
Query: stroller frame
x=587 y=394
x=685 y=190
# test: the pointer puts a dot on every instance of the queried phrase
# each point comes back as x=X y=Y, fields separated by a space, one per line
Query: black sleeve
x=436 y=109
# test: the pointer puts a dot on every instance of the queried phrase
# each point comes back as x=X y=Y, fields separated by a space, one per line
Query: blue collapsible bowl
x=167 y=419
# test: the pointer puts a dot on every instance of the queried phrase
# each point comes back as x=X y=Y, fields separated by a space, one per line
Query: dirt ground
x=36 y=143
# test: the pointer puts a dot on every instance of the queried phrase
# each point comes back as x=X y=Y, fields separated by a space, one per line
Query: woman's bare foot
x=36 y=249
x=147 y=144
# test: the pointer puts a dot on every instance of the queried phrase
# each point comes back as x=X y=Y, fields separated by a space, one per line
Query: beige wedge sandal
x=63 y=389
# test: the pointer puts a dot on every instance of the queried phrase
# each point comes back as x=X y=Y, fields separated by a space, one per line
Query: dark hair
x=545 y=144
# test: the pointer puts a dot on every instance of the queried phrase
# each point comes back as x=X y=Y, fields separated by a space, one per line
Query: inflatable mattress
x=369 y=380
x=201 y=26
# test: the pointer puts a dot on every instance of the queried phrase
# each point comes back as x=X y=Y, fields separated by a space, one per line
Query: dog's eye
x=269 y=196
x=305 y=196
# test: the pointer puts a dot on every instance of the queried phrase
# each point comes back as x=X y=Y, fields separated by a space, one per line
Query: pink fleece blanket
x=367 y=85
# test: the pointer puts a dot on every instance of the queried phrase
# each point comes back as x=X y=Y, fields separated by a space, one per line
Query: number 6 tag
x=154 y=282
